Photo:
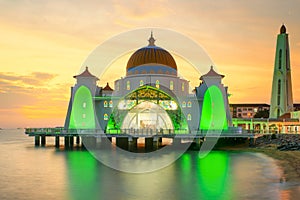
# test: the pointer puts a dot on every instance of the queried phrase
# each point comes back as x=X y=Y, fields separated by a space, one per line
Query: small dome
x=151 y=55
x=282 y=29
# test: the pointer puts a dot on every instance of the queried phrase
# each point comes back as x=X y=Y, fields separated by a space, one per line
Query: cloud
x=142 y=10
x=32 y=96
x=37 y=87
x=10 y=81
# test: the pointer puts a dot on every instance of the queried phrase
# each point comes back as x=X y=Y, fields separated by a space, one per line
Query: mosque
x=150 y=98
x=152 y=101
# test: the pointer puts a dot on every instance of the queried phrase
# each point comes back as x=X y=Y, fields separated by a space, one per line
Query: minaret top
x=151 y=40
x=212 y=73
x=86 y=73
x=282 y=29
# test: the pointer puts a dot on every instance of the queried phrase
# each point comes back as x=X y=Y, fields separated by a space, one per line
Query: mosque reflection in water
x=190 y=176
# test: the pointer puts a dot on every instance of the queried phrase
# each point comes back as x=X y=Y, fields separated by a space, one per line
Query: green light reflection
x=213 y=176
x=82 y=175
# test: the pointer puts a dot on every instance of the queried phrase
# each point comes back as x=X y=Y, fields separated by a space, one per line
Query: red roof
x=107 y=87
x=212 y=72
x=285 y=116
x=85 y=73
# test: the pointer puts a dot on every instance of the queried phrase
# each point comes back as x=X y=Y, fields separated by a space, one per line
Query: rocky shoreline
x=283 y=142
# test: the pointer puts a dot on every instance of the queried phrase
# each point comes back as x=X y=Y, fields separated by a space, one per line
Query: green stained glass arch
x=82 y=97
x=213 y=116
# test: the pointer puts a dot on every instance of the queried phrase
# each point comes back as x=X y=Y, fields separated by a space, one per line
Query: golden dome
x=151 y=54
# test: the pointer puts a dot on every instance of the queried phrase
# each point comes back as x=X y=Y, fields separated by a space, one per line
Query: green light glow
x=186 y=163
x=213 y=175
x=213 y=115
x=82 y=174
x=82 y=115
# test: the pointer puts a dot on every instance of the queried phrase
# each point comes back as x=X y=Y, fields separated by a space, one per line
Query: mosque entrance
x=147 y=109
x=147 y=116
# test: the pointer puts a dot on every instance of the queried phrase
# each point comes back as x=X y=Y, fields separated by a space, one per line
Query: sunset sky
x=44 y=43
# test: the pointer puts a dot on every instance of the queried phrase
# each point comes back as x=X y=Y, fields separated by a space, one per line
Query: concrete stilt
x=89 y=142
x=71 y=141
x=37 y=140
x=177 y=141
x=252 y=142
x=132 y=144
x=197 y=143
x=77 y=140
x=155 y=144
x=122 y=143
x=43 y=140
x=148 y=144
x=159 y=141
x=57 y=141
x=67 y=143
x=105 y=142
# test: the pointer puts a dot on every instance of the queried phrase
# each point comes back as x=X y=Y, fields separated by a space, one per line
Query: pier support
x=252 y=142
x=57 y=141
x=177 y=141
x=148 y=144
x=89 y=141
x=71 y=141
x=67 y=143
x=156 y=143
x=159 y=141
x=122 y=143
x=43 y=140
x=77 y=140
x=132 y=144
x=105 y=142
x=196 y=144
x=37 y=140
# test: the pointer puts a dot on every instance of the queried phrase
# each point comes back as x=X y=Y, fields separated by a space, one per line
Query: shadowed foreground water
x=27 y=172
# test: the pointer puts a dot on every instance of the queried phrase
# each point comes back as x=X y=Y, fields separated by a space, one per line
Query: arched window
x=157 y=83
x=84 y=105
x=278 y=92
x=280 y=59
x=182 y=87
x=183 y=104
x=105 y=104
x=110 y=103
x=128 y=85
x=287 y=64
x=141 y=82
x=189 y=117
x=171 y=85
x=83 y=115
x=105 y=117
x=189 y=104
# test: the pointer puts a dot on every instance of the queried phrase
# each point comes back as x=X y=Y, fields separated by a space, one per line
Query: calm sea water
x=27 y=172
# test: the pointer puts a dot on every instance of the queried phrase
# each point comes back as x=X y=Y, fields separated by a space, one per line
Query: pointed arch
x=213 y=116
x=151 y=95
x=82 y=117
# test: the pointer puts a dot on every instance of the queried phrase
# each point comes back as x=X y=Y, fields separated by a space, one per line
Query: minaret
x=282 y=96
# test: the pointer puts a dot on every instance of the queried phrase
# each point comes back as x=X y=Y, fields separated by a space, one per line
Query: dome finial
x=282 y=29
x=151 y=40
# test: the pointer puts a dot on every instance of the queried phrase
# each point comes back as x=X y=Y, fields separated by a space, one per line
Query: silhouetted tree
x=262 y=114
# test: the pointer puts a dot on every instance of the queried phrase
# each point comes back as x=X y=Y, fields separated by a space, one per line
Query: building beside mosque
x=284 y=115
x=151 y=97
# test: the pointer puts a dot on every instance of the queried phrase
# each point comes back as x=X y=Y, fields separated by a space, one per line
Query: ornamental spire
x=282 y=29
x=151 y=40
